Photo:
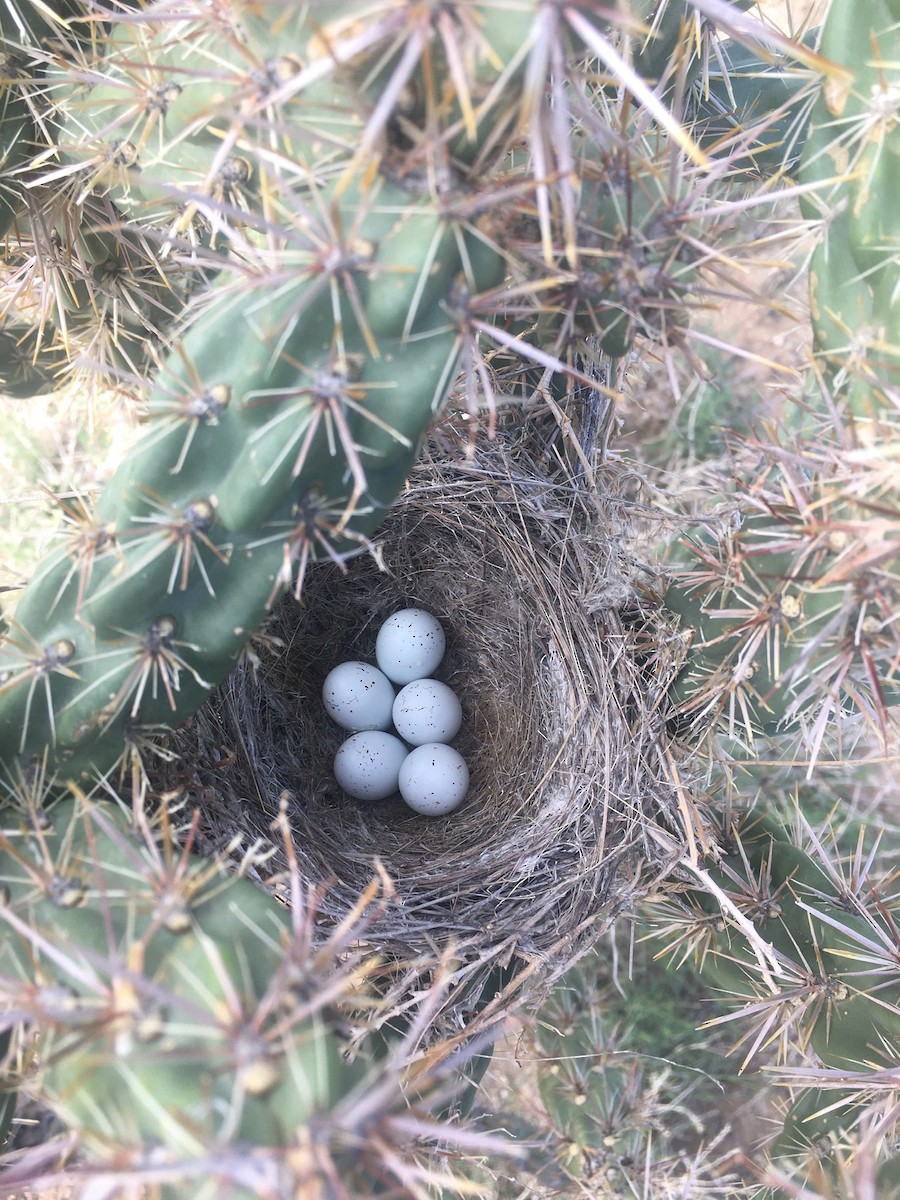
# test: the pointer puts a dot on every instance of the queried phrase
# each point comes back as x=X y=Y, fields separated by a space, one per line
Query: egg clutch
x=374 y=762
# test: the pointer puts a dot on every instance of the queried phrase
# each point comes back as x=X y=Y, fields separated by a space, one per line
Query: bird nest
x=561 y=668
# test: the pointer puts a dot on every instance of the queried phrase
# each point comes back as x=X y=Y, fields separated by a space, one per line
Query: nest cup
x=560 y=679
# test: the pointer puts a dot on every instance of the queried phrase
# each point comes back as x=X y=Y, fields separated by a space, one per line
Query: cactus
x=790 y=608
x=851 y=155
x=182 y=1008
x=790 y=595
x=29 y=365
x=259 y=442
x=288 y=226
x=31 y=23
x=16 y=132
x=615 y=1114
x=269 y=443
x=820 y=974
x=762 y=103
x=251 y=447
x=789 y=614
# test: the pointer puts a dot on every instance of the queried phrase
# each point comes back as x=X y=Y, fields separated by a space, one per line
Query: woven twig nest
x=561 y=679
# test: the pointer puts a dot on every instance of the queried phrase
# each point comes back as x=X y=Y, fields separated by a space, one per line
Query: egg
x=410 y=645
x=367 y=765
x=433 y=779
x=358 y=697
x=427 y=711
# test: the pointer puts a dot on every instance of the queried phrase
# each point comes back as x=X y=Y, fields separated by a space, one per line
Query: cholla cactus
x=358 y=183
x=849 y=165
x=792 y=598
x=194 y=1030
x=817 y=974
x=610 y=1118
x=291 y=226
x=791 y=603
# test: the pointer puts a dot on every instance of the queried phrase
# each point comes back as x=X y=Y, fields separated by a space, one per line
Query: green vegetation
x=295 y=234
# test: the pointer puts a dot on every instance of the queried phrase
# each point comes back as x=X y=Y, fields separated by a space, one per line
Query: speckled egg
x=427 y=711
x=410 y=645
x=433 y=779
x=367 y=766
x=358 y=696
